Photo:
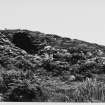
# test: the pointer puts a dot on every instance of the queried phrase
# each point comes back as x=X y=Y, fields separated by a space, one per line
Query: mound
x=32 y=64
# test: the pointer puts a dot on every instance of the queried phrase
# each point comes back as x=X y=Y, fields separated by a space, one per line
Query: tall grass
x=90 y=90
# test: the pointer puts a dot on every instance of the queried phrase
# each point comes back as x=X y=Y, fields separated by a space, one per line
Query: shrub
x=24 y=91
x=20 y=86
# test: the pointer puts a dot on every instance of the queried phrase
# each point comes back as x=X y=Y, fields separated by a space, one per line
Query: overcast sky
x=79 y=19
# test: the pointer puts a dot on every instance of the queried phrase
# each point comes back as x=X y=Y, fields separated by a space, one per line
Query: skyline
x=76 y=19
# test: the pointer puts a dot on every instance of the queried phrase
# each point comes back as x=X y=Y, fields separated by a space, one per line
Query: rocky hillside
x=41 y=67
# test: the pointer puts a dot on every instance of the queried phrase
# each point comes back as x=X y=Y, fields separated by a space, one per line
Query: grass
x=90 y=90
x=53 y=90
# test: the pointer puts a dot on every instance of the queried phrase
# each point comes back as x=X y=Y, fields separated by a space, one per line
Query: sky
x=76 y=19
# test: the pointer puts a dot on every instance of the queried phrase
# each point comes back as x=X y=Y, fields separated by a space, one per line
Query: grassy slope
x=50 y=68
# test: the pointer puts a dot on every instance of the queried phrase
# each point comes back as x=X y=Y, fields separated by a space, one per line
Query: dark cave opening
x=23 y=41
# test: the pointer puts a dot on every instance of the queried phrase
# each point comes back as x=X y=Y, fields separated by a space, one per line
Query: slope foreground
x=38 y=67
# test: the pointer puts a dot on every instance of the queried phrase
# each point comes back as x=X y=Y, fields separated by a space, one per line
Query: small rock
x=72 y=77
